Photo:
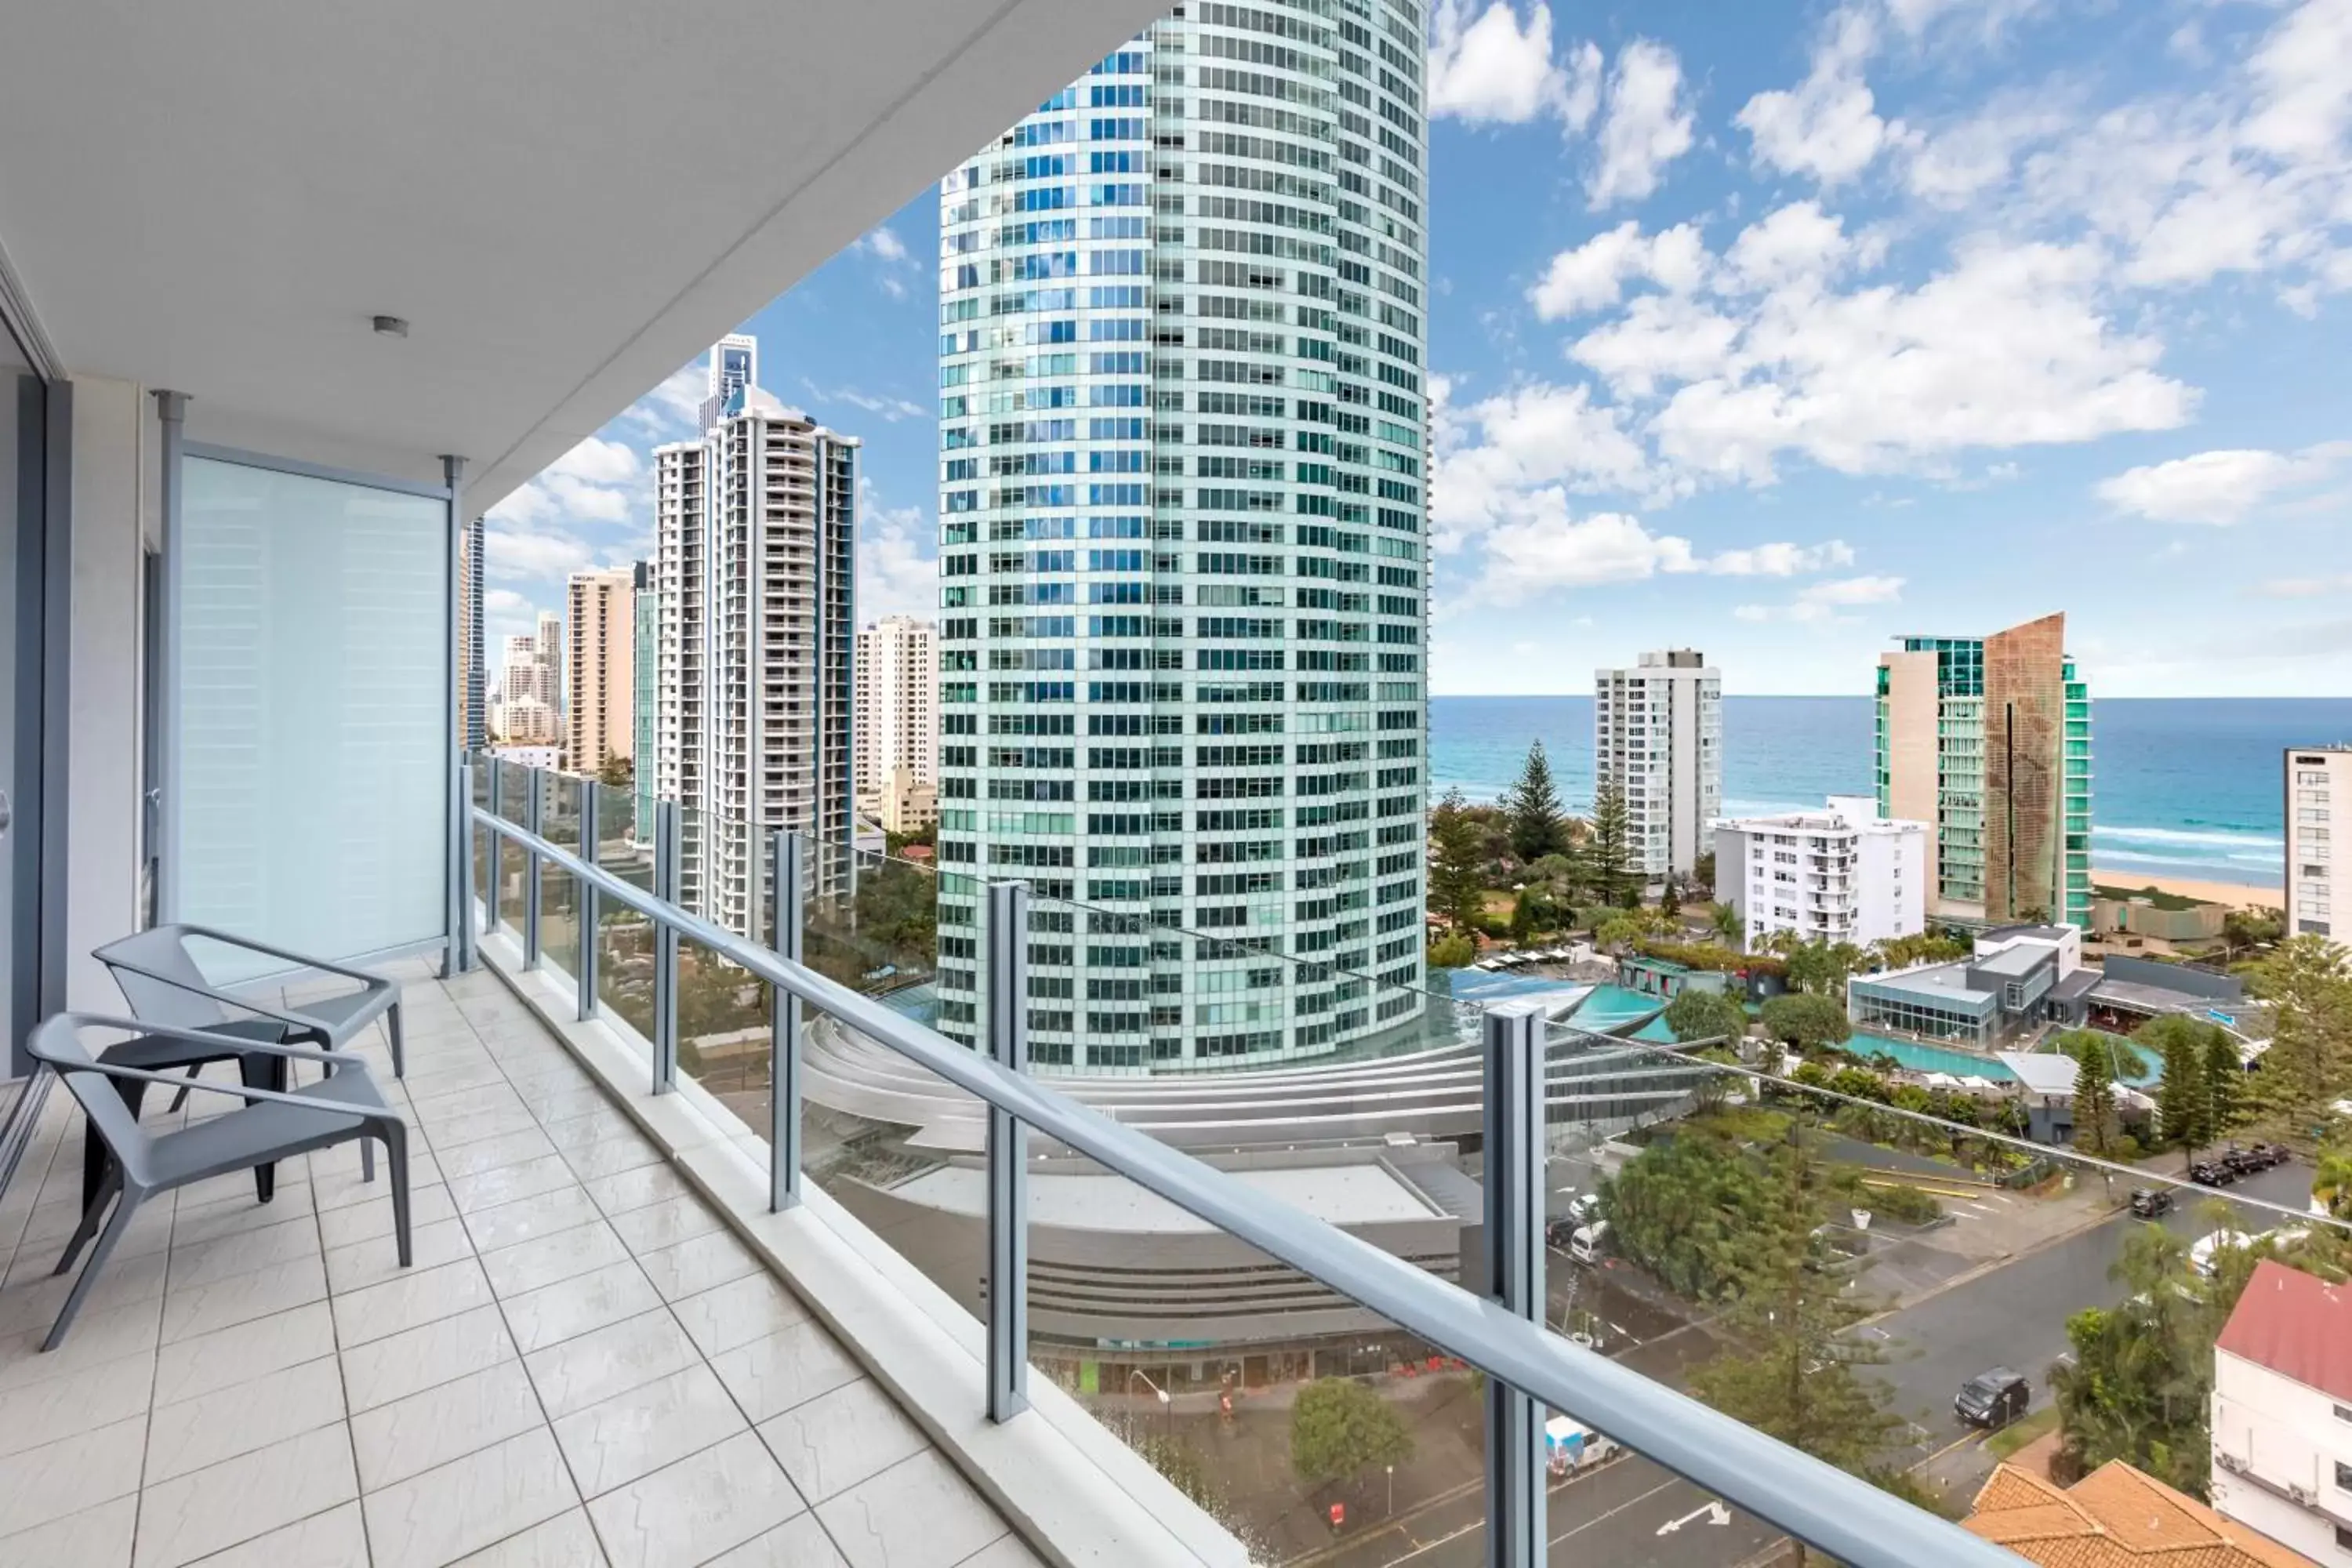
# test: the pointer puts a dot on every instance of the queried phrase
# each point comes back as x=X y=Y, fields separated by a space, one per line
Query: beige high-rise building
x=1988 y=738
x=599 y=668
x=897 y=704
x=2318 y=901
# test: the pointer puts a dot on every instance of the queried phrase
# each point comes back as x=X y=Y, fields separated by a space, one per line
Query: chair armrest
x=299 y=1053
x=212 y=994
x=305 y=959
x=79 y=1021
x=314 y=1102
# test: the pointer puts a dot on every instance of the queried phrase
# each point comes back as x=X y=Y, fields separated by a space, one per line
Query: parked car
x=2276 y=1153
x=1993 y=1399
x=1584 y=1208
x=2212 y=1173
x=2151 y=1203
x=1590 y=1242
x=2246 y=1162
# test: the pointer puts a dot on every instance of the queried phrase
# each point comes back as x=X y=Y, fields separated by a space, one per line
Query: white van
x=1589 y=1242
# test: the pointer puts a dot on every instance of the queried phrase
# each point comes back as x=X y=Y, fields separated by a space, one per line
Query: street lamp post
x=1167 y=1403
x=1392 y=1508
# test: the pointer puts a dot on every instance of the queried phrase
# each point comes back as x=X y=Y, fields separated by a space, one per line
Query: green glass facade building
x=1989 y=739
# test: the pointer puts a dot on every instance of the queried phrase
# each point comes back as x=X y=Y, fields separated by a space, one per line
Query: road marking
x=1620 y=1507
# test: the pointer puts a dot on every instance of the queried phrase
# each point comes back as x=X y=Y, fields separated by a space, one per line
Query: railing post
x=583 y=903
x=1008 y=1174
x=466 y=891
x=784 y=1040
x=534 y=816
x=1514 y=1127
x=495 y=848
x=667 y=847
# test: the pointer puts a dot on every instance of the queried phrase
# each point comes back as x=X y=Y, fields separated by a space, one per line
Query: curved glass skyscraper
x=1183 y=560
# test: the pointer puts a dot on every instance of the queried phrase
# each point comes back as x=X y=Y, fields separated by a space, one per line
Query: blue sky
x=1778 y=329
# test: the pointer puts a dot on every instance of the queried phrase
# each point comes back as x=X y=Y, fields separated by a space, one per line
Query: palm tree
x=1727 y=924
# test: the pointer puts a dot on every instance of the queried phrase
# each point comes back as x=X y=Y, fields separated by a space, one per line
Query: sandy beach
x=2235 y=895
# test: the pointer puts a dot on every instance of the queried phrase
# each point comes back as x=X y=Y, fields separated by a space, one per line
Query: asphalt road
x=1619 y=1513
x=2015 y=1315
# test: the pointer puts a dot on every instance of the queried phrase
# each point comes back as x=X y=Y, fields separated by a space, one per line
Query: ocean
x=2180 y=786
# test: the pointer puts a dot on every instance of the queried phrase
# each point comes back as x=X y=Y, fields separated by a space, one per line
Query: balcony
x=584 y=1365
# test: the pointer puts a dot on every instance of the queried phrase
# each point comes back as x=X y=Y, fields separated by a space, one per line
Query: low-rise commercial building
x=904 y=802
x=2115 y=1516
x=2018 y=978
x=2281 y=1420
x=1839 y=874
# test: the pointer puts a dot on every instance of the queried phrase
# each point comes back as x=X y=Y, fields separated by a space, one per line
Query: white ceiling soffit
x=566 y=199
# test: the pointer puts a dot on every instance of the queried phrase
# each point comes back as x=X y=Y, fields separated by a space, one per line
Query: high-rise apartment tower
x=1182 y=605
x=2318 y=900
x=645 y=702
x=600 y=667
x=755 y=525
x=1657 y=731
x=1990 y=739
x=473 y=677
x=897 y=702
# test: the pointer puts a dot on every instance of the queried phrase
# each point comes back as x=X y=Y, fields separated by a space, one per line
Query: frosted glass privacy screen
x=313 y=686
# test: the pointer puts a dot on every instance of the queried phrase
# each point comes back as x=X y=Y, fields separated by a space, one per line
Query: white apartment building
x=600 y=667
x=898 y=703
x=1182 y=591
x=1841 y=874
x=1657 y=731
x=526 y=720
x=755 y=527
x=2318 y=901
x=2281 y=1420
x=904 y=803
x=522 y=675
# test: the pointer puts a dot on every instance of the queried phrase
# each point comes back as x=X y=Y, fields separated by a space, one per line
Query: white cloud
x=1828 y=127
x=504 y=603
x=1494 y=454
x=2008 y=347
x=670 y=409
x=2321 y=587
x=896 y=573
x=1822 y=601
x=2218 y=486
x=1499 y=69
x=1646 y=126
x=596 y=461
x=891 y=408
x=883 y=244
x=513 y=555
x=1594 y=273
x=1781 y=560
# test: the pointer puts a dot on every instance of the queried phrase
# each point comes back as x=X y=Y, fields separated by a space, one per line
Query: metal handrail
x=1839 y=1514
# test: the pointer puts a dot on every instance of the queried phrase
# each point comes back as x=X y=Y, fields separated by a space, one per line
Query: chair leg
x=181 y=1098
x=367 y=1159
x=399 y=1047
x=96 y=1162
x=261 y=1071
x=396 y=1156
x=90 y=1271
x=89 y=1226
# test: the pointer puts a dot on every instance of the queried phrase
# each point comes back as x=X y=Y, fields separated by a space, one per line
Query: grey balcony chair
x=272 y=1126
x=162 y=980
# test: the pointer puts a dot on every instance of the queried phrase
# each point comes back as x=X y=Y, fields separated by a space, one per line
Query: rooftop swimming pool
x=1611 y=1006
x=1929 y=1058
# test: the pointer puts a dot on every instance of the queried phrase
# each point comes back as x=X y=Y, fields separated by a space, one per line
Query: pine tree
x=2224 y=1082
x=1531 y=806
x=1456 y=888
x=2095 y=1090
x=1612 y=852
x=2308 y=1065
x=2184 y=1104
x=1791 y=1372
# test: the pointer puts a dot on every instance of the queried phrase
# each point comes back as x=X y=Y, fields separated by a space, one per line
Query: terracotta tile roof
x=2115 y=1516
x=2296 y=1325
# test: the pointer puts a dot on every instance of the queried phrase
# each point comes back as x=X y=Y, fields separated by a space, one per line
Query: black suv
x=2150 y=1203
x=1993 y=1399
x=2212 y=1173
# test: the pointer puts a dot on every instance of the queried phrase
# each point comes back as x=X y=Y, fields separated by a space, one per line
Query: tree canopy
x=1807 y=1022
x=2184 y=1101
x=1697 y=1014
x=1339 y=1430
x=1609 y=854
x=2095 y=1126
x=2308 y=1065
x=1456 y=862
x=1532 y=808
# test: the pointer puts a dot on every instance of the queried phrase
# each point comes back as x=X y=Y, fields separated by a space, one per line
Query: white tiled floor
x=582 y=1366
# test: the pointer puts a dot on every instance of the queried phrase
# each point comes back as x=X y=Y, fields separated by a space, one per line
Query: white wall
x=2288 y=1434
x=114 y=510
